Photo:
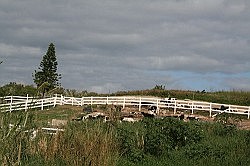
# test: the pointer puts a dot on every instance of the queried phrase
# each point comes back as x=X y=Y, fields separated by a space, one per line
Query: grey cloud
x=11 y=50
x=237 y=83
x=117 y=44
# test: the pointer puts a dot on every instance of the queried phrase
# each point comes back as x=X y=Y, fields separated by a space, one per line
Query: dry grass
x=82 y=143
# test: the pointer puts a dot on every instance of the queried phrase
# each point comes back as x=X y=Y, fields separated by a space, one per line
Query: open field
x=151 y=141
x=220 y=140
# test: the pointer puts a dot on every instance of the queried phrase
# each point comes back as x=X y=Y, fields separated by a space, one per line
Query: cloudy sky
x=111 y=45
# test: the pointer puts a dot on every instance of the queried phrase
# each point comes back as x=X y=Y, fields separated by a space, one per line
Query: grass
x=216 y=148
x=114 y=143
x=64 y=112
x=81 y=144
x=84 y=143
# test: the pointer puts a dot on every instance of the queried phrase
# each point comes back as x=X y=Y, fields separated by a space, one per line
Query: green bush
x=155 y=137
x=203 y=151
x=14 y=89
x=168 y=134
x=131 y=140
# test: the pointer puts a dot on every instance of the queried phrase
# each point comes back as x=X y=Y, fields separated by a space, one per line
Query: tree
x=47 y=78
x=159 y=87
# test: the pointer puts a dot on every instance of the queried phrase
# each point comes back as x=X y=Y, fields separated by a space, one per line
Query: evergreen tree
x=47 y=78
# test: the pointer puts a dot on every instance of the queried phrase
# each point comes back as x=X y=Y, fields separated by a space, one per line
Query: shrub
x=203 y=151
x=131 y=140
x=168 y=134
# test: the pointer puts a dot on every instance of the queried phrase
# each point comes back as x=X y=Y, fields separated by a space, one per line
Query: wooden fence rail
x=15 y=103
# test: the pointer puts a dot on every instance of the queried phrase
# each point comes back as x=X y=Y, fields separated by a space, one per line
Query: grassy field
x=149 y=142
x=65 y=112
x=154 y=141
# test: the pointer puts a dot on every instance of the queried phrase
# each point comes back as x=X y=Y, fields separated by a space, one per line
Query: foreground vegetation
x=148 y=142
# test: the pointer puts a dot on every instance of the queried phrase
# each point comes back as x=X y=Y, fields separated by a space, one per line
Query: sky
x=120 y=45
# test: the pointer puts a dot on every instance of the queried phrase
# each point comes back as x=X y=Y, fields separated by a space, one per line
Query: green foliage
x=159 y=87
x=86 y=143
x=131 y=140
x=155 y=137
x=14 y=137
x=17 y=89
x=203 y=151
x=228 y=119
x=167 y=134
x=152 y=141
x=213 y=149
x=47 y=77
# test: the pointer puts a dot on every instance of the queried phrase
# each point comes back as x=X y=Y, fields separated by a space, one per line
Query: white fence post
x=140 y=104
x=210 y=110
x=11 y=100
x=42 y=105
x=91 y=100
x=124 y=101
x=82 y=101
x=175 y=105
x=61 y=102
x=55 y=99
x=107 y=100
x=157 y=107
x=248 y=115
x=26 y=103
x=192 y=107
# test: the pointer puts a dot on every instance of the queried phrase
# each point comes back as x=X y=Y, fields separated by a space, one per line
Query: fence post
x=11 y=100
x=124 y=101
x=61 y=102
x=91 y=100
x=82 y=101
x=157 y=107
x=248 y=116
x=140 y=104
x=55 y=99
x=26 y=103
x=210 y=110
x=107 y=100
x=42 y=105
x=192 y=107
x=175 y=105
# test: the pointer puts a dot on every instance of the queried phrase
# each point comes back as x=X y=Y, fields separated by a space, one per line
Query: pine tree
x=47 y=78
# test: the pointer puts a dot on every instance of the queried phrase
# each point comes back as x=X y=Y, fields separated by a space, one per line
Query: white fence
x=12 y=103
x=16 y=103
